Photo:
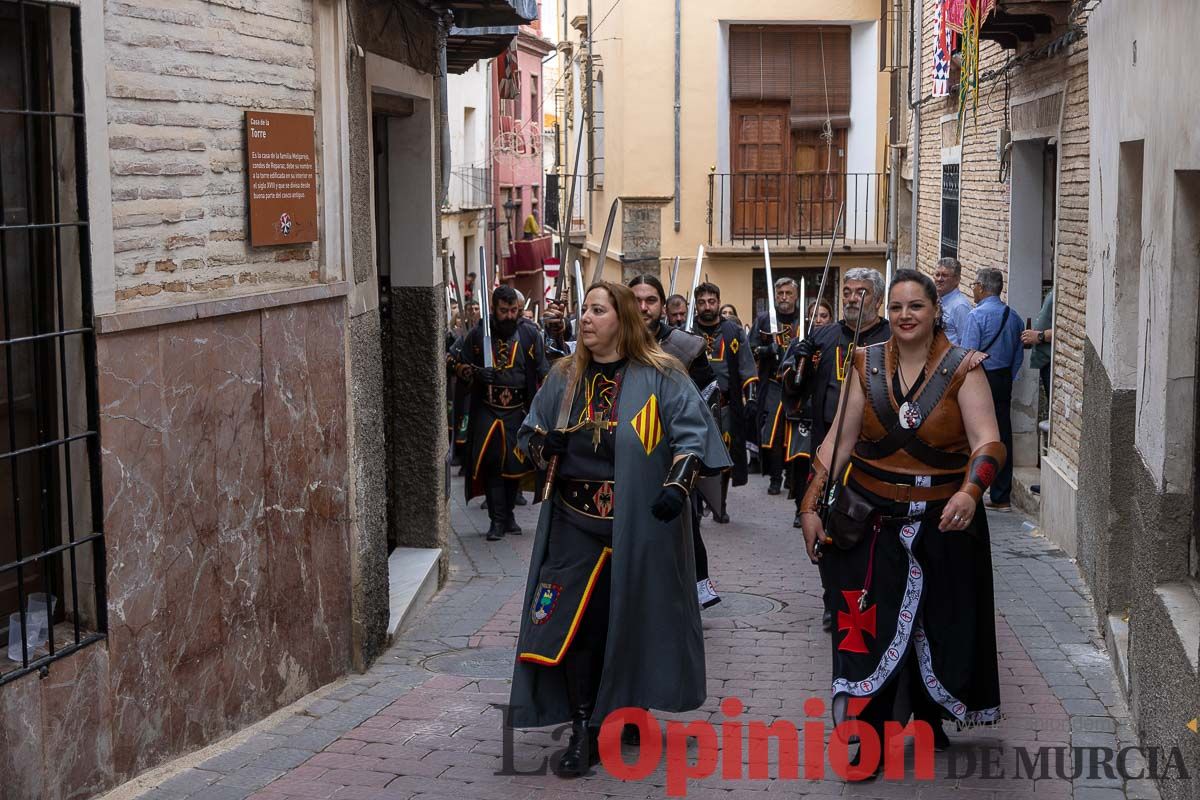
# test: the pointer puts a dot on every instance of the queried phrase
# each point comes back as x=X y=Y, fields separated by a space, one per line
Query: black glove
x=762 y=351
x=806 y=347
x=486 y=375
x=669 y=503
x=554 y=444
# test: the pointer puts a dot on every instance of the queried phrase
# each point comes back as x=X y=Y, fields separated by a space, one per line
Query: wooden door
x=820 y=181
x=761 y=156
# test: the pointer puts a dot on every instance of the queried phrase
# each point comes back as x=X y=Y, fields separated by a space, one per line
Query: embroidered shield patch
x=544 y=601
x=648 y=425
x=603 y=499
x=733 y=346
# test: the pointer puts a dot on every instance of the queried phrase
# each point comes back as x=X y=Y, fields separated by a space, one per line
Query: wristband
x=985 y=462
x=683 y=473
x=818 y=476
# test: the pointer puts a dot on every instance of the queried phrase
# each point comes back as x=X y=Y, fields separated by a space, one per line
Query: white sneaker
x=706 y=593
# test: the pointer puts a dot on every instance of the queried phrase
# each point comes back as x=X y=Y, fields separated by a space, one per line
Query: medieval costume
x=610 y=616
x=914 y=604
x=688 y=349
x=729 y=354
x=768 y=352
x=813 y=390
x=499 y=400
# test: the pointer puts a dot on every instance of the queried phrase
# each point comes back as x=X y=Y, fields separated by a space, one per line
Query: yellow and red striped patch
x=648 y=425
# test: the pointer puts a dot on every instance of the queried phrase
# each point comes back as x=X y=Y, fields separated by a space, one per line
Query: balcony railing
x=471 y=187
x=799 y=209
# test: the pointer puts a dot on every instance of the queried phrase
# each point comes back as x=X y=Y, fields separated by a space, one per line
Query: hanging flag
x=941 y=50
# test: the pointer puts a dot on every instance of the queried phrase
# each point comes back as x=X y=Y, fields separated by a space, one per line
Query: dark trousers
x=1001 y=383
x=1044 y=372
x=697 y=542
x=773 y=459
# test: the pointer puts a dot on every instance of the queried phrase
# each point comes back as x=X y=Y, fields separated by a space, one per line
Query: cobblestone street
x=422 y=722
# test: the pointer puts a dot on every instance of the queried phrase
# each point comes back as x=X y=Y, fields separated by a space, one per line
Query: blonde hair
x=634 y=340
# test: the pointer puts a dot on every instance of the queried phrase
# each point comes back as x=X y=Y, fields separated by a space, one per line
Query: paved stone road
x=404 y=731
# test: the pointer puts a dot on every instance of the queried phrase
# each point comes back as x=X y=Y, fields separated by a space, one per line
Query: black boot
x=512 y=490
x=721 y=515
x=576 y=759
x=496 y=512
x=774 y=487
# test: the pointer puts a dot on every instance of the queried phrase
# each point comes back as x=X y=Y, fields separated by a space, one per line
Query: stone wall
x=180 y=77
x=985 y=211
x=227 y=541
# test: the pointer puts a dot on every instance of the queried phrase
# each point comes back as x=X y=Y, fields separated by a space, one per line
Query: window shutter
x=745 y=73
x=776 y=65
x=820 y=63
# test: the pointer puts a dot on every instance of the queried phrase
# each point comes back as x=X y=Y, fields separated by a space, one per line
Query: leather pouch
x=850 y=519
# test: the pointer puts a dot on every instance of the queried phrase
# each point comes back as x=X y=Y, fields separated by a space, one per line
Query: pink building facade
x=518 y=97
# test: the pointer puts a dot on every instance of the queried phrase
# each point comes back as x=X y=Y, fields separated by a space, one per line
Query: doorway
x=1031 y=258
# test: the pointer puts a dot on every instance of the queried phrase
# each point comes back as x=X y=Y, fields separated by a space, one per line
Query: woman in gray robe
x=610 y=617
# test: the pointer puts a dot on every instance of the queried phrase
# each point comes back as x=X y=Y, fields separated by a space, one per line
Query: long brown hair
x=634 y=340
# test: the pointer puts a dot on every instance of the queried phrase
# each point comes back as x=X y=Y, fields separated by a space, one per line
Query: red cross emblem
x=856 y=622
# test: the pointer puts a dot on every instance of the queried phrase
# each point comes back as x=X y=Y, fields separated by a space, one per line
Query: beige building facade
x=736 y=154
x=1008 y=188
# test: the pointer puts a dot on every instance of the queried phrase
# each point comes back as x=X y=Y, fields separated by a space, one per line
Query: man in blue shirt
x=994 y=328
x=955 y=305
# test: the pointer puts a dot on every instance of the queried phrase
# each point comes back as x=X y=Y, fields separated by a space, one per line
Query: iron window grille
x=950 y=196
x=51 y=540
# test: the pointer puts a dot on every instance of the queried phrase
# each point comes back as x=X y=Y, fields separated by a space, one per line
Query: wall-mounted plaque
x=282 y=168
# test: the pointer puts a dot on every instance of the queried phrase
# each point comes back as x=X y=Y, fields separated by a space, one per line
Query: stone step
x=413 y=579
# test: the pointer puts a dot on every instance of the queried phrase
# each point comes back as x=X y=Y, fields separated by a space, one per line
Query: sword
x=691 y=315
x=771 y=313
x=828 y=263
x=674 y=275
x=561 y=282
x=832 y=484
x=598 y=270
x=804 y=300
x=820 y=291
x=579 y=294
x=485 y=311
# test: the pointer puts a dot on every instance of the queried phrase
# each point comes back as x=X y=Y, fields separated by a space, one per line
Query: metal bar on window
x=30 y=559
x=41 y=225
x=68 y=483
x=46 y=445
x=33 y=113
x=33 y=243
x=43 y=336
x=33 y=666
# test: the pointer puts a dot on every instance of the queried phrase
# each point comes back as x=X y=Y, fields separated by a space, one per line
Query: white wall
x=469 y=90
x=1127 y=104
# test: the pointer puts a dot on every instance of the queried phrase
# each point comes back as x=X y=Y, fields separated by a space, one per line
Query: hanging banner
x=281 y=168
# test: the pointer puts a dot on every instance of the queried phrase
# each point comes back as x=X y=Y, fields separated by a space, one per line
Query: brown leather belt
x=595 y=499
x=505 y=396
x=903 y=492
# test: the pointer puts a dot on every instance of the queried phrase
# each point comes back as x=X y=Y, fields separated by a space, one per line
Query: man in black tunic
x=769 y=347
x=500 y=398
x=728 y=352
x=815 y=367
x=689 y=349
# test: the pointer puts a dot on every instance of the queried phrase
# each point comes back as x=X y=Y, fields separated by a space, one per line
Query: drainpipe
x=678 y=18
x=443 y=113
x=916 y=19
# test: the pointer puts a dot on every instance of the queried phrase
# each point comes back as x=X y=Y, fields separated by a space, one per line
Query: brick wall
x=984 y=215
x=180 y=77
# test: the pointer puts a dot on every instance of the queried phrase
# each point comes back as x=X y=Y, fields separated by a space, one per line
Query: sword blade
x=485 y=310
x=598 y=270
x=674 y=276
x=771 y=313
x=828 y=263
x=691 y=315
x=579 y=295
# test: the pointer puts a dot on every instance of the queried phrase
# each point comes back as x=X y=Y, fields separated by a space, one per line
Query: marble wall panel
x=131 y=437
x=21 y=739
x=212 y=488
x=77 y=726
x=305 y=498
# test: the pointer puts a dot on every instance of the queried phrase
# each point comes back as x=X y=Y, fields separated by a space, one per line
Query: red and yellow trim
x=536 y=658
x=487 y=440
x=770 y=443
